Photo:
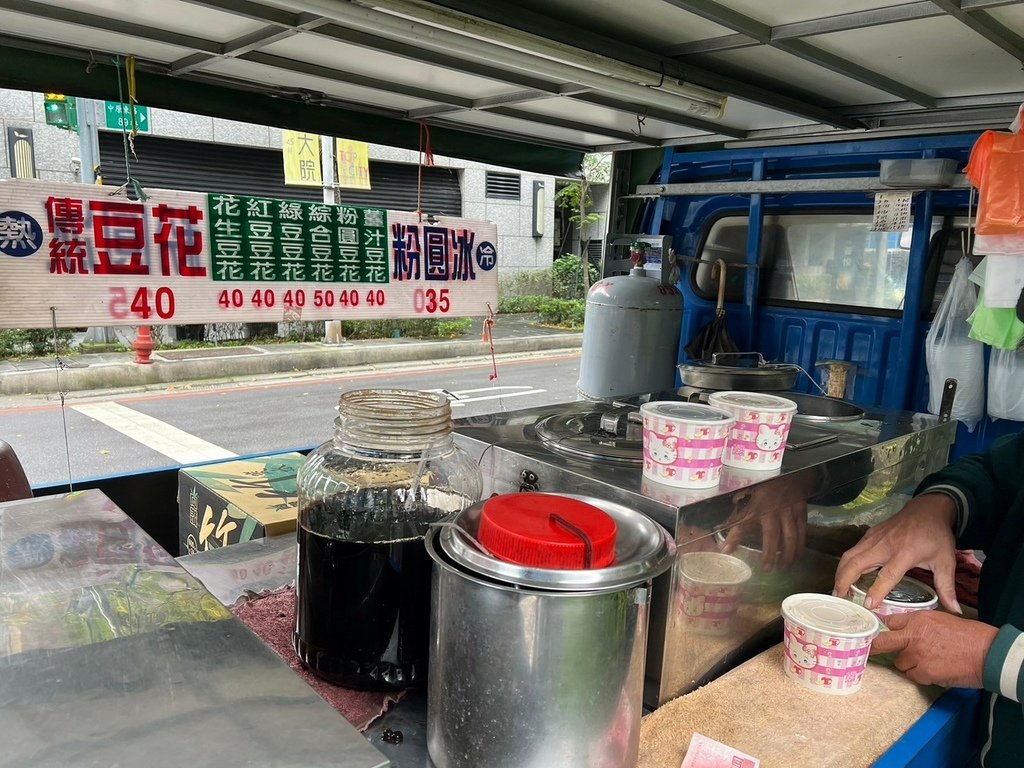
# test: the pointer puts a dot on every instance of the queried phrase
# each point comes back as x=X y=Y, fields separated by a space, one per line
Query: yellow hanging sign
x=302 y=159
x=353 y=164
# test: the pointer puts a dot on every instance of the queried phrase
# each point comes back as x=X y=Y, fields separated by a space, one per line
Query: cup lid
x=831 y=615
x=758 y=400
x=714 y=568
x=907 y=592
x=547 y=531
x=643 y=549
x=696 y=413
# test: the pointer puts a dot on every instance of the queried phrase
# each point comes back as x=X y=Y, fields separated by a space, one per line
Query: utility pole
x=332 y=328
x=88 y=141
x=89 y=172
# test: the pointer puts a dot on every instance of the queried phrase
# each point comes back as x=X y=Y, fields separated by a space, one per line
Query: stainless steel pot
x=534 y=668
x=760 y=377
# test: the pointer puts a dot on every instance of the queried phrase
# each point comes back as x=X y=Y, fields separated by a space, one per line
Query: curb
x=127 y=374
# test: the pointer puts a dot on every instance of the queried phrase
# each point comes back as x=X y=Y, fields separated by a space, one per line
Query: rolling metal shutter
x=205 y=167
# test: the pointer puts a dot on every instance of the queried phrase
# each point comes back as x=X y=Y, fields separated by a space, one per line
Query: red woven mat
x=272 y=618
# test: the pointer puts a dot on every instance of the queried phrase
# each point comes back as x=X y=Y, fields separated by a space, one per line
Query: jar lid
x=758 y=400
x=643 y=549
x=694 y=413
x=831 y=615
x=907 y=592
x=547 y=531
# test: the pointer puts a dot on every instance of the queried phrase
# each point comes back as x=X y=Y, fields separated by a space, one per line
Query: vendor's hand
x=936 y=648
x=919 y=536
x=783 y=528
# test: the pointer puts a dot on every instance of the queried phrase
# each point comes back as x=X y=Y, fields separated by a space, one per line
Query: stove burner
x=613 y=435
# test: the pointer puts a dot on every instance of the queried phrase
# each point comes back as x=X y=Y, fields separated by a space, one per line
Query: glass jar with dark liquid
x=366 y=500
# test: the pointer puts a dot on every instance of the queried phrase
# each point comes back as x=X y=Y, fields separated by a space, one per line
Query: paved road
x=130 y=432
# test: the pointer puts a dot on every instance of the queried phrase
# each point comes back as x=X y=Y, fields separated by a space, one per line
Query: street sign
x=119 y=117
x=92 y=257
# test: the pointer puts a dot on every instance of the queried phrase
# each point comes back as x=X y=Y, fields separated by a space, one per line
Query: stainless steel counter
x=263 y=565
x=111 y=654
x=836 y=479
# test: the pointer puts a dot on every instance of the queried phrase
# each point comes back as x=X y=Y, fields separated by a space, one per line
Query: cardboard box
x=222 y=504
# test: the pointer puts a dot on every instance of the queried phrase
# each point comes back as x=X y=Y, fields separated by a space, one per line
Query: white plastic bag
x=1006 y=384
x=951 y=354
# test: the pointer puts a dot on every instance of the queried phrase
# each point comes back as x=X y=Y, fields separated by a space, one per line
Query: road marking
x=461 y=397
x=153 y=433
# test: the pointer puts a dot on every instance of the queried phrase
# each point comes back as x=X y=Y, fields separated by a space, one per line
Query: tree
x=575 y=197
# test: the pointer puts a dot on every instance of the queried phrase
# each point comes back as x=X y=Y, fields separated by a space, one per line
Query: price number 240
x=144 y=304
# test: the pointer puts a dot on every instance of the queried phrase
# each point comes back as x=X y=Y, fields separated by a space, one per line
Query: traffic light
x=61 y=111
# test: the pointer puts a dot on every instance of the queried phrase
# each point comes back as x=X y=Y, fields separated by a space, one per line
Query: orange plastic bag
x=996 y=168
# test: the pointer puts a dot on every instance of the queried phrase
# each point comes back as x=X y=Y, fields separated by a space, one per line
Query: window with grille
x=503 y=186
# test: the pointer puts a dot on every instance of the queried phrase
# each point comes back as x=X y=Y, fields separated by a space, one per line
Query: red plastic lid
x=545 y=531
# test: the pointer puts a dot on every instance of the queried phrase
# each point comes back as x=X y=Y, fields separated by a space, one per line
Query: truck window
x=946 y=249
x=829 y=259
x=727 y=240
x=836 y=259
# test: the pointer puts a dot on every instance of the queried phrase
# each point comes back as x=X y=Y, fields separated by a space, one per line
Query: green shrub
x=508 y=305
x=427 y=328
x=452 y=329
x=567 y=277
x=564 y=313
x=536 y=282
x=33 y=342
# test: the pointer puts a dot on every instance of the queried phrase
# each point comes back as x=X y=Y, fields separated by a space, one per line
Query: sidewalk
x=513 y=335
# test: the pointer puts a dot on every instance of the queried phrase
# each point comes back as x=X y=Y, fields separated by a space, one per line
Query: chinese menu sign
x=98 y=258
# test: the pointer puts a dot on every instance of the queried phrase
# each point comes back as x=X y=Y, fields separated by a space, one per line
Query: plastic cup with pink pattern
x=757 y=439
x=683 y=443
x=826 y=642
x=710 y=587
x=907 y=596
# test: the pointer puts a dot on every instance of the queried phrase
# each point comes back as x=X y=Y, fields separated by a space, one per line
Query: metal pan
x=758 y=377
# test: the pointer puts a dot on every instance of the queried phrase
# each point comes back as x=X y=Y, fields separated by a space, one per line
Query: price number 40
x=143 y=304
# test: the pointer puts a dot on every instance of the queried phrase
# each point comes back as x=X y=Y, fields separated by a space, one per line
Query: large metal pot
x=534 y=668
x=761 y=376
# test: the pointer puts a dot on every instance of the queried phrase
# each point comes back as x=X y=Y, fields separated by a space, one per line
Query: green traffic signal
x=61 y=111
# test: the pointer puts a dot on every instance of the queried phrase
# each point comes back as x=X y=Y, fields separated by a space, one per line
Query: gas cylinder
x=630 y=337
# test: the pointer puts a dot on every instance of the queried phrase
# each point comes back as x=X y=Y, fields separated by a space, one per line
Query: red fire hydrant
x=143 y=346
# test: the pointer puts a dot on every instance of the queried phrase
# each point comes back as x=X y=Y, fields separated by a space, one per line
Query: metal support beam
x=490 y=102
x=725 y=17
x=573 y=125
x=252 y=10
x=842 y=22
x=781 y=186
x=762 y=33
x=532 y=22
x=986 y=26
x=245 y=44
x=353 y=78
x=847 y=68
x=525 y=81
x=600 y=100
x=108 y=24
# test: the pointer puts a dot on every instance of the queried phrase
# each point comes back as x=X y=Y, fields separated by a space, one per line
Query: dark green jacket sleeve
x=984 y=487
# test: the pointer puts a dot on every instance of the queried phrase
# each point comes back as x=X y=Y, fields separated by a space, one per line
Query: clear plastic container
x=366 y=500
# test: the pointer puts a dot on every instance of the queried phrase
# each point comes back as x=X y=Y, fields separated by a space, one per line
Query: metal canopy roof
x=546 y=79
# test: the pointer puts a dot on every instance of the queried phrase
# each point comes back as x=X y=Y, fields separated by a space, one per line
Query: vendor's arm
x=961 y=505
x=983 y=487
x=919 y=536
x=935 y=648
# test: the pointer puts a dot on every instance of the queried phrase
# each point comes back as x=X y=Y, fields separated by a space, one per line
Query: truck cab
x=807 y=278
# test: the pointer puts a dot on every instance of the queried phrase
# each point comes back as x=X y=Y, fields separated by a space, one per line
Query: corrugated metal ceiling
x=547 y=77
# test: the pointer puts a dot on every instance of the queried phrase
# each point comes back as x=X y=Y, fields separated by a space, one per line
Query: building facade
x=186 y=151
